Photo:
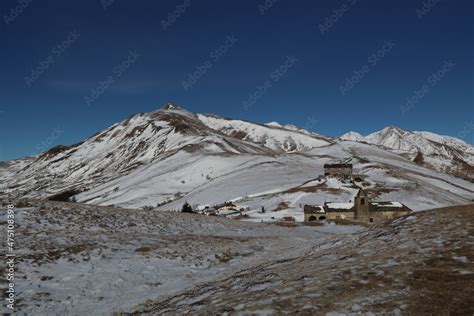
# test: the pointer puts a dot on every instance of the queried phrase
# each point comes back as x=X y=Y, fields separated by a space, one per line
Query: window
x=371 y=220
x=362 y=201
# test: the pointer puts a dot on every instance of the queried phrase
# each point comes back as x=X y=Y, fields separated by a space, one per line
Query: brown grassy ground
x=420 y=264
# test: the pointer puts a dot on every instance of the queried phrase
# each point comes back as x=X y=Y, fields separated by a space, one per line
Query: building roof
x=338 y=165
x=361 y=192
x=226 y=204
x=313 y=209
x=340 y=206
x=387 y=204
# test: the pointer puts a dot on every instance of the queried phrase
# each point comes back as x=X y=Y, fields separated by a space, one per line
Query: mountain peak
x=352 y=136
x=273 y=124
x=395 y=129
x=170 y=106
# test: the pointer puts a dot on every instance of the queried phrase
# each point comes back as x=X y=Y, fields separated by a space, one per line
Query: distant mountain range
x=168 y=156
x=443 y=153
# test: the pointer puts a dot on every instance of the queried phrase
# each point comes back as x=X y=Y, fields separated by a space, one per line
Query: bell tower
x=361 y=201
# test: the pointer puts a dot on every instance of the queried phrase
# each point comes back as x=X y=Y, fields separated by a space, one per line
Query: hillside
x=166 y=157
x=85 y=259
x=90 y=260
x=443 y=153
x=421 y=264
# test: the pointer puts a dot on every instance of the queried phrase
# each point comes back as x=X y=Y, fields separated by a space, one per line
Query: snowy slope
x=140 y=140
x=416 y=265
x=169 y=156
x=78 y=259
x=352 y=136
x=404 y=141
x=443 y=153
x=274 y=136
x=254 y=181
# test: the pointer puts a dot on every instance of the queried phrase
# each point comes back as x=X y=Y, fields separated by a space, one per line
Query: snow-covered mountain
x=169 y=156
x=144 y=139
x=352 y=136
x=286 y=138
x=444 y=153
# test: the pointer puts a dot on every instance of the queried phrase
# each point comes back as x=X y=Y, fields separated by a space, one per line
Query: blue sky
x=330 y=66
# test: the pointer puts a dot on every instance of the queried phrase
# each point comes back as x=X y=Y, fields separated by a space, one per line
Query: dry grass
x=419 y=264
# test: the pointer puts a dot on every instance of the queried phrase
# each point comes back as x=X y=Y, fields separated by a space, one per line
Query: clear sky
x=71 y=68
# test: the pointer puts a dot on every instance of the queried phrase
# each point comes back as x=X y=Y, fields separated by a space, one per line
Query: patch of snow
x=338 y=205
x=462 y=259
x=352 y=136
x=273 y=124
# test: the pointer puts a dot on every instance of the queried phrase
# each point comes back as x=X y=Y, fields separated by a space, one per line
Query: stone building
x=338 y=169
x=337 y=210
x=360 y=210
x=314 y=213
x=227 y=206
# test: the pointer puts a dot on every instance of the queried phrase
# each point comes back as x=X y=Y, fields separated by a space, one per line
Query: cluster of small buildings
x=361 y=209
x=226 y=209
x=342 y=170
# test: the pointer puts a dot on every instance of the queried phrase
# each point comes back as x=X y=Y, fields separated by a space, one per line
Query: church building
x=360 y=210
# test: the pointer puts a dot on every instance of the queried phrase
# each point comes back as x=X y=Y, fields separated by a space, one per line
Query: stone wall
x=371 y=217
x=338 y=171
x=380 y=216
x=340 y=215
x=317 y=215
x=367 y=217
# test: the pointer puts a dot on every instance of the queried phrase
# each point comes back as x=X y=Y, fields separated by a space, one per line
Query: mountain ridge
x=436 y=151
x=171 y=155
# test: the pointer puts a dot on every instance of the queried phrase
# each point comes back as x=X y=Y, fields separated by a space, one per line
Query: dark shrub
x=187 y=208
